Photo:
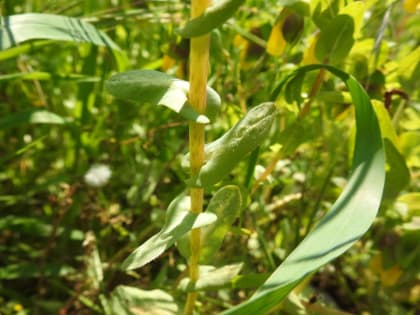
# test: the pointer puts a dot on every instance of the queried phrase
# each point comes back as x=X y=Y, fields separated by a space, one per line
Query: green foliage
x=282 y=200
x=178 y=221
x=214 y=16
x=16 y=29
x=157 y=88
x=223 y=154
x=360 y=199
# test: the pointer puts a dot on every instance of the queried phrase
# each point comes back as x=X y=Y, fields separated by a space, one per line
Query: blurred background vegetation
x=64 y=232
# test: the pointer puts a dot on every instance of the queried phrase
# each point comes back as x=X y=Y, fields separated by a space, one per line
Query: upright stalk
x=199 y=62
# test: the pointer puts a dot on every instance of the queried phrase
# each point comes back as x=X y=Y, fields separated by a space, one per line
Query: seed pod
x=158 y=88
x=213 y=16
x=223 y=154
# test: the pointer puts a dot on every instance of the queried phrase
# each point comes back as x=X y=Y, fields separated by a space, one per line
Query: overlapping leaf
x=158 y=88
x=179 y=220
x=348 y=219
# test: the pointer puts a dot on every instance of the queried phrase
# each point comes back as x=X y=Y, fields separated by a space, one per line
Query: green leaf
x=212 y=278
x=127 y=300
x=158 y=88
x=223 y=154
x=16 y=29
x=293 y=90
x=31 y=116
x=350 y=216
x=214 y=16
x=336 y=40
x=356 y=11
x=226 y=204
x=179 y=220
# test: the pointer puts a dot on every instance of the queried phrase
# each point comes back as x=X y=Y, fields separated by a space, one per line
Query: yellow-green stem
x=199 y=62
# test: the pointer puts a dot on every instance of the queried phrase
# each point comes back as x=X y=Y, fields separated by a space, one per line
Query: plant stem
x=199 y=62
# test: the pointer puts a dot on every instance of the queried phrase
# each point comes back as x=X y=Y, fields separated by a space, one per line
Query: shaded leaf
x=32 y=270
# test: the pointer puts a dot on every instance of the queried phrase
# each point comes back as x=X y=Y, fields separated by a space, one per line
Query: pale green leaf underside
x=16 y=29
x=212 y=278
x=349 y=218
x=179 y=221
x=158 y=88
x=125 y=300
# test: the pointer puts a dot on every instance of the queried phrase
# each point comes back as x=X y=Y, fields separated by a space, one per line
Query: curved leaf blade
x=213 y=17
x=350 y=217
x=179 y=221
x=158 y=88
x=16 y=29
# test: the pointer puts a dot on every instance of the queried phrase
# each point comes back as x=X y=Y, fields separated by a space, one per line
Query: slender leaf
x=16 y=29
x=350 y=216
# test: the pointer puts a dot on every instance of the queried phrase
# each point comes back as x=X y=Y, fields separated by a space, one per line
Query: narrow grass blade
x=16 y=29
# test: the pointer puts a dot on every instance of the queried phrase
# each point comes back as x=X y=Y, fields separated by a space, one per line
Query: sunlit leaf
x=179 y=220
x=223 y=154
x=127 y=300
x=336 y=40
x=16 y=29
x=158 y=88
x=212 y=278
x=226 y=204
x=412 y=200
x=356 y=11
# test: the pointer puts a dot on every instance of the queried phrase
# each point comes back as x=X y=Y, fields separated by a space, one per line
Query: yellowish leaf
x=411 y=6
x=309 y=54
